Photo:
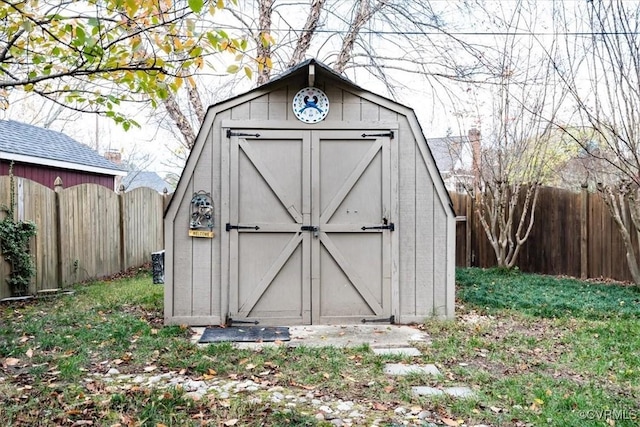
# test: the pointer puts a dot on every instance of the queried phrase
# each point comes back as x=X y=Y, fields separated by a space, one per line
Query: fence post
x=584 y=232
x=57 y=188
x=468 y=228
x=121 y=214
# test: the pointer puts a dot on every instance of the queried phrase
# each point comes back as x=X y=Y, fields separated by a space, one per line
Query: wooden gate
x=310 y=223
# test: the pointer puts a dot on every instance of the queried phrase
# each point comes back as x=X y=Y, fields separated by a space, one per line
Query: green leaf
x=232 y=69
x=249 y=72
x=196 y=5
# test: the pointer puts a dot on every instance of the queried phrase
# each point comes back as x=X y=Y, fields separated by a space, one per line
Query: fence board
x=88 y=243
x=143 y=225
x=554 y=246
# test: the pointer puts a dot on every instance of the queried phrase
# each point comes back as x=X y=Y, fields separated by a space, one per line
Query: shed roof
x=137 y=179
x=31 y=144
x=297 y=69
x=448 y=151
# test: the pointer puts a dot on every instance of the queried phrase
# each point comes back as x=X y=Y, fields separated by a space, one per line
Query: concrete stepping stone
x=400 y=351
x=402 y=369
x=460 y=392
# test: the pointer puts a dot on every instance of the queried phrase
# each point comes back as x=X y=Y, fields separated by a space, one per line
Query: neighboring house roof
x=451 y=153
x=26 y=143
x=137 y=179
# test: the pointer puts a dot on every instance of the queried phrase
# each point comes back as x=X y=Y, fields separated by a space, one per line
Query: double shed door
x=309 y=226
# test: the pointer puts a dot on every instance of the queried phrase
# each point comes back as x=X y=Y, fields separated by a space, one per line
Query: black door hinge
x=390 y=134
x=390 y=226
x=391 y=320
x=230 y=227
x=310 y=228
x=231 y=321
x=230 y=133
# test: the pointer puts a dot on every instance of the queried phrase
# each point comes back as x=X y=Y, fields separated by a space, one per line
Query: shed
x=42 y=155
x=309 y=200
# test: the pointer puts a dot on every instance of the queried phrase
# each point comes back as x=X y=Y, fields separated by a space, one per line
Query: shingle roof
x=447 y=151
x=137 y=179
x=28 y=140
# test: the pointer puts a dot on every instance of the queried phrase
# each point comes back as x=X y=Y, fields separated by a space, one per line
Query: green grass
x=546 y=296
x=537 y=351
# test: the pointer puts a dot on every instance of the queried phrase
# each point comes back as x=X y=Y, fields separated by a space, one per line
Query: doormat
x=245 y=334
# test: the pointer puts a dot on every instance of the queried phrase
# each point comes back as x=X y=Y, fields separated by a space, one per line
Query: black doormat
x=245 y=334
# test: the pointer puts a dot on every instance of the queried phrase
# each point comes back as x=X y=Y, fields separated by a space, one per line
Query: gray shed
x=309 y=200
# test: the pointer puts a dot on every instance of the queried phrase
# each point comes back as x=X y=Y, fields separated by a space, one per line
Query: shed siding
x=199 y=291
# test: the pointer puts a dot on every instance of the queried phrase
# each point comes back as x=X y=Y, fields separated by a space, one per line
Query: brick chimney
x=113 y=156
x=474 y=139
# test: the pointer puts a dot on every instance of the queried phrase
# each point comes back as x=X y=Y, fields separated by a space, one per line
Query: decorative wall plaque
x=202 y=221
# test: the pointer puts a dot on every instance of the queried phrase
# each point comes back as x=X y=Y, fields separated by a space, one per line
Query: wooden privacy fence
x=85 y=231
x=573 y=234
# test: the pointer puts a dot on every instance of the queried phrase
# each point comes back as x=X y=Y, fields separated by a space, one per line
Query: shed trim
x=41 y=161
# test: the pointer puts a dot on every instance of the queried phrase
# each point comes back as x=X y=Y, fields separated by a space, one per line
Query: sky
x=440 y=111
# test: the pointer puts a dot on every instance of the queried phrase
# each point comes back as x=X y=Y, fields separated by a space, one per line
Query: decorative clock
x=310 y=105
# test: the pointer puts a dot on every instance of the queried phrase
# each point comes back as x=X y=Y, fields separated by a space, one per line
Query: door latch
x=313 y=228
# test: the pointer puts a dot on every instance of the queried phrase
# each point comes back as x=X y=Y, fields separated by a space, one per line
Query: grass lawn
x=536 y=350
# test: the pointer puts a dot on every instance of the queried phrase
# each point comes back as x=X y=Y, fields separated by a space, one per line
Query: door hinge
x=390 y=227
x=230 y=133
x=391 y=320
x=310 y=228
x=390 y=134
x=231 y=321
x=230 y=227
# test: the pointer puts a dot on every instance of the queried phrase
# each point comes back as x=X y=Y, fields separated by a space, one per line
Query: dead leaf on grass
x=450 y=422
x=231 y=422
x=380 y=406
x=11 y=361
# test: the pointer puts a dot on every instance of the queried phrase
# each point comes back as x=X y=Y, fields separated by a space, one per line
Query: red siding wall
x=46 y=175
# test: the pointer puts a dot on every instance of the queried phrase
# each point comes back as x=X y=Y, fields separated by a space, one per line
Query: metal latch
x=313 y=228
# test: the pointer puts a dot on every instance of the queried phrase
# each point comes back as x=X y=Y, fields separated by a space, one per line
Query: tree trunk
x=264 y=47
x=304 y=41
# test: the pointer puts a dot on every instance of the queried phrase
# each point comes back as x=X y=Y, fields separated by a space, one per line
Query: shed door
x=309 y=227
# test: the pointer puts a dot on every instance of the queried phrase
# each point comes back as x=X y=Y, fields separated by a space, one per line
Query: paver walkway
x=429 y=369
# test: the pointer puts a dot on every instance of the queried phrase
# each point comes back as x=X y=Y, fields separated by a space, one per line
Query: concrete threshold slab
x=376 y=336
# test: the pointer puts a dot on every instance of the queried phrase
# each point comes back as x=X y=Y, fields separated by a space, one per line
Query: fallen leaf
x=250 y=366
x=450 y=422
x=495 y=409
x=118 y=361
x=380 y=406
x=24 y=339
x=11 y=361
x=211 y=371
x=389 y=388
x=154 y=332
x=29 y=353
x=327 y=376
x=150 y=368
x=231 y=422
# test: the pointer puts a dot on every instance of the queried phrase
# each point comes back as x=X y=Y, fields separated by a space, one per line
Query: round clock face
x=310 y=105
